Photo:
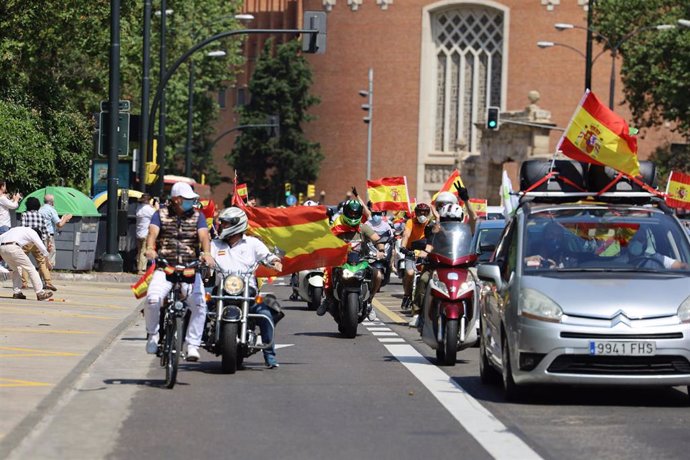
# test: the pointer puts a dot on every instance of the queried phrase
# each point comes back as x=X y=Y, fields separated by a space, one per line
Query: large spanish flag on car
x=597 y=135
x=300 y=233
x=389 y=194
x=678 y=190
x=449 y=185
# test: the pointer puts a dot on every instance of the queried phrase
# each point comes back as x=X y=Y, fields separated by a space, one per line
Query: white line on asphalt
x=374 y=328
x=493 y=436
x=384 y=334
x=391 y=340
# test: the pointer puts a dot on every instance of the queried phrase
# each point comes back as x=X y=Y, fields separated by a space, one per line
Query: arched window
x=469 y=56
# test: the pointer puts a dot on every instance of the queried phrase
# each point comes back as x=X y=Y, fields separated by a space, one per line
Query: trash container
x=127 y=238
x=75 y=242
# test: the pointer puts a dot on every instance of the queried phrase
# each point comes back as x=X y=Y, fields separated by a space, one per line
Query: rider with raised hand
x=175 y=234
x=348 y=226
x=235 y=252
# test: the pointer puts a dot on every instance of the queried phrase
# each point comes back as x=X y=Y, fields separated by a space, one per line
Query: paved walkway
x=46 y=346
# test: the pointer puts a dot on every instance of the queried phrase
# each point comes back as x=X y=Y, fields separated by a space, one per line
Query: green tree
x=656 y=64
x=279 y=86
x=669 y=158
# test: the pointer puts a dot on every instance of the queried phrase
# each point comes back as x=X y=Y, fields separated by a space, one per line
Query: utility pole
x=588 y=49
x=145 y=91
x=158 y=186
x=112 y=261
x=369 y=107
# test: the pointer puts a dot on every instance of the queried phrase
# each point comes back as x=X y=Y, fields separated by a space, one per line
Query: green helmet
x=352 y=213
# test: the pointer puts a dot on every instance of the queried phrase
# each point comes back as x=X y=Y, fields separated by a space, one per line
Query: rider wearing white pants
x=175 y=234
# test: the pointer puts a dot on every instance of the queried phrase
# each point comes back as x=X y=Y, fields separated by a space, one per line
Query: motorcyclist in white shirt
x=235 y=252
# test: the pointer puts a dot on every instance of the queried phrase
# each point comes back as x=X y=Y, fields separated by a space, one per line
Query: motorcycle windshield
x=452 y=241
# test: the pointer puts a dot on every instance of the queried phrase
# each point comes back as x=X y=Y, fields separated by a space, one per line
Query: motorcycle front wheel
x=315 y=300
x=228 y=340
x=447 y=350
x=348 y=317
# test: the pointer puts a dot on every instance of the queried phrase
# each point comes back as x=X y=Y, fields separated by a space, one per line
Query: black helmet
x=352 y=213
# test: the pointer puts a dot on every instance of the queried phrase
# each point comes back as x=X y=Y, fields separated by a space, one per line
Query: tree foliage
x=656 y=63
x=54 y=64
x=279 y=86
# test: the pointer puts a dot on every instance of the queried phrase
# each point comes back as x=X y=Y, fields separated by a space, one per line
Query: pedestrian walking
x=34 y=219
x=7 y=203
x=144 y=214
x=11 y=244
x=55 y=223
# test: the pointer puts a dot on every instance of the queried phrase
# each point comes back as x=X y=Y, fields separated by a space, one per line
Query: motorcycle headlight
x=535 y=305
x=467 y=286
x=233 y=285
x=347 y=274
x=684 y=311
x=439 y=285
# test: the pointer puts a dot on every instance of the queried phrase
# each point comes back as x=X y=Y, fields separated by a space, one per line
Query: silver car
x=595 y=294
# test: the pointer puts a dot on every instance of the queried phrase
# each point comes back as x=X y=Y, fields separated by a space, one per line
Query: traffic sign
x=291 y=200
x=122 y=133
x=123 y=106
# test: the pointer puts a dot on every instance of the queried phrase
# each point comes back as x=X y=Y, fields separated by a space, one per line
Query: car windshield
x=453 y=240
x=605 y=239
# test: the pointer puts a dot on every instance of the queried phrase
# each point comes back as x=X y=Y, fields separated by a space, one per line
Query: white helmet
x=236 y=218
x=452 y=212
x=445 y=198
x=310 y=203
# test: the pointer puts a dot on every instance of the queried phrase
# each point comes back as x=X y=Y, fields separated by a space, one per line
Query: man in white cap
x=176 y=233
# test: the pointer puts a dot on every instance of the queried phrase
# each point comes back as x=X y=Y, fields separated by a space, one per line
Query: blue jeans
x=266 y=331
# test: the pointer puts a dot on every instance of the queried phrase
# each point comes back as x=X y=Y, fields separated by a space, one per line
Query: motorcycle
x=449 y=317
x=384 y=265
x=351 y=289
x=308 y=285
x=231 y=331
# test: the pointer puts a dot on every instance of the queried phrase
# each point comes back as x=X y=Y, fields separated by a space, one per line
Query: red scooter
x=448 y=321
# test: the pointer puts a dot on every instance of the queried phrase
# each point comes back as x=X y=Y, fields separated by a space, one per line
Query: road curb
x=15 y=437
x=97 y=277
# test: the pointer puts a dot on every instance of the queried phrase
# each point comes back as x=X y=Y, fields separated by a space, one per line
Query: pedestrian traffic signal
x=288 y=188
x=492 y=117
x=151 y=170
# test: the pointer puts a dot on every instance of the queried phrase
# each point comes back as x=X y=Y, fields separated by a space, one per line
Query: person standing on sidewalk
x=54 y=222
x=32 y=218
x=144 y=214
x=7 y=203
x=11 y=244
x=175 y=234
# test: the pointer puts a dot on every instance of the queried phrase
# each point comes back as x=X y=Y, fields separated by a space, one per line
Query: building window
x=221 y=98
x=469 y=56
x=241 y=97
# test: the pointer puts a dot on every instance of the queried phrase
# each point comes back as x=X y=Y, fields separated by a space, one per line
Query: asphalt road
x=372 y=397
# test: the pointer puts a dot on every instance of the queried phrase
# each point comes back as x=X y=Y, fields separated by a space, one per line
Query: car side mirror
x=419 y=244
x=490 y=272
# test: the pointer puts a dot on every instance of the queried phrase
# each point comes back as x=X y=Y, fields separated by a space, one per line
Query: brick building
x=437 y=65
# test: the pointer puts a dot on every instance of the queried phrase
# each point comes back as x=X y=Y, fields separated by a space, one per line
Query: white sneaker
x=372 y=315
x=193 y=353
x=413 y=321
x=152 y=344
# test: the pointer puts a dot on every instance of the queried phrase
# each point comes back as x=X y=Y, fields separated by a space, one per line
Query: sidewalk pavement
x=46 y=346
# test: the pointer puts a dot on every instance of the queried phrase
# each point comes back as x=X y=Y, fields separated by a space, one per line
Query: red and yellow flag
x=141 y=287
x=598 y=135
x=480 y=206
x=678 y=190
x=242 y=191
x=389 y=194
x=301 y=234
x=449 y=185
x=236 y=198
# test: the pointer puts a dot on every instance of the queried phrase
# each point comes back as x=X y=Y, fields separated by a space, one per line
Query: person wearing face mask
x=551 y=250
x=415 y=230
x=176 y=233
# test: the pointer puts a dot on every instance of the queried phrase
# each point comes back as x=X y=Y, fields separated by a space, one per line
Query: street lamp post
x=166 y=77
x=163 y=56
x=145 y=91
x=369 y=120
x=611 y=46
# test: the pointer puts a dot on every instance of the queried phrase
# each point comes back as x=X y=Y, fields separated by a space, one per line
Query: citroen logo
x=620 y=317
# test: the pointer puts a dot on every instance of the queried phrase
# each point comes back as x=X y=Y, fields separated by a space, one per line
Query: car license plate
x=611 y=348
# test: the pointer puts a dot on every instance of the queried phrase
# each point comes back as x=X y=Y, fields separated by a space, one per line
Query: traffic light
x=492 y=118
x=151 y=170
x=288 y=188
x=314 y=43
x=311 y=191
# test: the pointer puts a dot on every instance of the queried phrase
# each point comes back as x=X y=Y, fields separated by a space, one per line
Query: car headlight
x=684 y=311
x=233 y=285
x=535 y=305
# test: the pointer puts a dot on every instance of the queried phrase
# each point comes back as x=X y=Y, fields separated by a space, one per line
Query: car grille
x=620 y=365
x=665 y=336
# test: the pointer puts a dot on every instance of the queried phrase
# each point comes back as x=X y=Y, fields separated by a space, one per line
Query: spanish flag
x=300 y=233
x=242 y=191
x=597 y=135
x=449 y=185
x=480 y=206
x=141 y=287
x=678 y=190
x=389 y=194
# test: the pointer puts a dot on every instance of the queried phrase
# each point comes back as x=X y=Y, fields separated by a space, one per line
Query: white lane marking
x=373 y=328
x=391 y=340
x=384 y=334
x=493 y=436
x=283 y=345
